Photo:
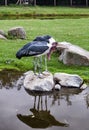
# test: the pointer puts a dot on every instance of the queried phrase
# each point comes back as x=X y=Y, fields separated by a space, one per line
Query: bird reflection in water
x=41 y=117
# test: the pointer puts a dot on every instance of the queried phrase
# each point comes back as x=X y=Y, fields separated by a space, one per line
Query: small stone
x=57 y=87
x=17 y=32
x=84 y=86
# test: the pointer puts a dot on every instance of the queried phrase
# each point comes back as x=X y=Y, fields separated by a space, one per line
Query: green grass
x=29 y=11
x=75 y=31
x=42 y=10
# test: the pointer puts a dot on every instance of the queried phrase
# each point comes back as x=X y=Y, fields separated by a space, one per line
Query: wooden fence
x=47 y=2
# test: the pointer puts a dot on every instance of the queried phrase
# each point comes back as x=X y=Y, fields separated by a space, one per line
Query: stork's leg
x=40 y=66
x=46 y=68
x=35 y=64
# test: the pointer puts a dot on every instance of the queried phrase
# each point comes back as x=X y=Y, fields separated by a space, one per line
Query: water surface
x=67 y=109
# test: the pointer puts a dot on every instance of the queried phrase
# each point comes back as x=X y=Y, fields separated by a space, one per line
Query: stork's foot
x=41 y=76
x=36 y=74
x=46 y=73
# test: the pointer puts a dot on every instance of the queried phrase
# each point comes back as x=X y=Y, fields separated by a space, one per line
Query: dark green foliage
x=2 y=2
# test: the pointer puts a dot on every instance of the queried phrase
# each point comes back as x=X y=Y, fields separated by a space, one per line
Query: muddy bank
x=8 y=78
x=43 y=16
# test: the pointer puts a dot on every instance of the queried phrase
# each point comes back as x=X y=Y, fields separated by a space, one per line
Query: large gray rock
x=47 y=82
x=68 y=80
x=2 y=33
x=72 y=54
x=2 y=37
x=17 y=32
x=33 y=82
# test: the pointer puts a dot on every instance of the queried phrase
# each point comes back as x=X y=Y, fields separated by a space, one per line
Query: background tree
x=19 y=2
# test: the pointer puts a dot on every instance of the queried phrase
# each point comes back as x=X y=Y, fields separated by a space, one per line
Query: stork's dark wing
x=42 y=38
x=39 y=38
x=32 y=49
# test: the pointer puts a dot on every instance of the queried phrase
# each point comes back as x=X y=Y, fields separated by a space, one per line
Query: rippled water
x=67 y=109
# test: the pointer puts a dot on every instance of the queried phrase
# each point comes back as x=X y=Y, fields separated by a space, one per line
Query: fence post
x=34 y=2
x=5 y=2
x=87 y=3
x=71 y=2
x=54 y=2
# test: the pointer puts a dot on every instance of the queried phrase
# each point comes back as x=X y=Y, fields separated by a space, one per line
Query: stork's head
x=54 y=46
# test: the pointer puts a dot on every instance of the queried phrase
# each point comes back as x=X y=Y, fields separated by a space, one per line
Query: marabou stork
x=41 y=45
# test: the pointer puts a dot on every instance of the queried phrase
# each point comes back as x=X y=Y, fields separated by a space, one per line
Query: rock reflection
x=8 y=79
x=87 y=100
x=41 y=117
x=64 y=93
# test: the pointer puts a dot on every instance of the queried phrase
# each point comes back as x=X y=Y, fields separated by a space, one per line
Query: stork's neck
x=51 y=40
x=52 y=49
x=49 y=53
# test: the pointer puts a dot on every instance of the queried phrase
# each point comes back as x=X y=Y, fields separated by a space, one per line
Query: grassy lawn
x=43 y=10
x=75 y=31
x=31 y=10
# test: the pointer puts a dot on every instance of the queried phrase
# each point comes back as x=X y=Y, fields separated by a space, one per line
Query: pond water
x=67 y=109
